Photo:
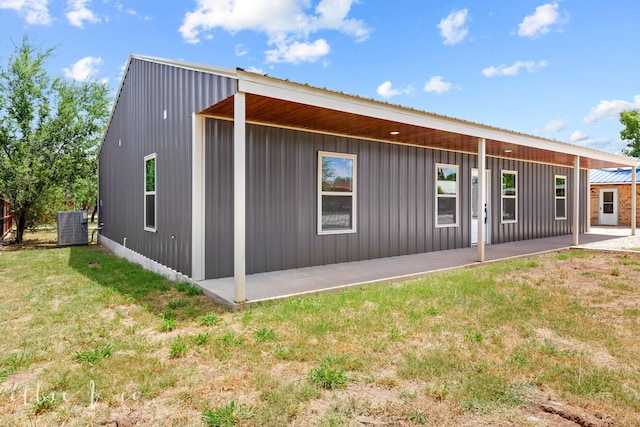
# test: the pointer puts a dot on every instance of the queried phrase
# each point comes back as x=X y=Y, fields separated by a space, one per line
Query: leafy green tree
x=631 y=132
x=49 y=130
x=85 y=190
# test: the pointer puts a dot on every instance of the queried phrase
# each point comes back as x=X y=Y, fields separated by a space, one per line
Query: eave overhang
x=274 y=102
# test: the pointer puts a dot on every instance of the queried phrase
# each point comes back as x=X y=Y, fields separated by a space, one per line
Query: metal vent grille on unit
x=73 y=228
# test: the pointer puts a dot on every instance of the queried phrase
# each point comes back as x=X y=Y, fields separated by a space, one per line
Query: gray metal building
x=221 y=173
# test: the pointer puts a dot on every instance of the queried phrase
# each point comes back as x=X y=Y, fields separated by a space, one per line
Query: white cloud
x=240 y=50
x=122 y=70
x=35 y=12
x=541 y=21
x=296 y=52
x=332 y=15
x=123 y=9
x=78 y=13
x=555 y=125
x=120 y=7
x=598 y=143
x=386 y=90
x=512 y=70
x=286 y=23
x=578 y=136
x=595 y=142
x=437 y=85
x=453 y=28
x=256 y=70
x=582 y=139
x=611 y=109
x=84 y=69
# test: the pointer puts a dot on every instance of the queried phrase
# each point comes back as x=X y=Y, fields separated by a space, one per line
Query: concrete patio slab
x=287 y=283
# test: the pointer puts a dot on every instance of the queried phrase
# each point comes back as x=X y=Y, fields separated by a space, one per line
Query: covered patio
x=271 y=102
x=303 y=281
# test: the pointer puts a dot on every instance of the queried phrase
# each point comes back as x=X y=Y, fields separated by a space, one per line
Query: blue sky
x=562 y=69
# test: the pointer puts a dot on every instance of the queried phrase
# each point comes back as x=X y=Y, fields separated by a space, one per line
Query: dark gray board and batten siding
x=396 y=188
x=395 y=196
x=138 y=127
x=536 y=201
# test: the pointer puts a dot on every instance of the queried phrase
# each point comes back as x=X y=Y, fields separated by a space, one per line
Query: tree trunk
x=20 y=226
x=93 y=214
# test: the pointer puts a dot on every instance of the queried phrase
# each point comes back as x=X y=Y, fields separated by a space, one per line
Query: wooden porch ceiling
x=276 y=112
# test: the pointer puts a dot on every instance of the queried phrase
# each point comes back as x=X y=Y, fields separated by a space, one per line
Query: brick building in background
x=610 y=199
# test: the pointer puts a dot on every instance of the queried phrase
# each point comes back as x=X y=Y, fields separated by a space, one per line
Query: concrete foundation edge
x=144 y=262
x=155 y=267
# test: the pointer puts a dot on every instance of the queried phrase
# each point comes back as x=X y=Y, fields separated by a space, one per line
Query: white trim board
x=144 y=262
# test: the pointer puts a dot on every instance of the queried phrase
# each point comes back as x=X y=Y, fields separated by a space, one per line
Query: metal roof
x=276 y=102
x=612 y=176
x=222 y=71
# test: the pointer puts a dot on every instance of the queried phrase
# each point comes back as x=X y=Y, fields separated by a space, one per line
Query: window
x=336 y=193
x=561 y=196
x=509 y=196
x=608 y=202
x=150 y=192
x=446 y=195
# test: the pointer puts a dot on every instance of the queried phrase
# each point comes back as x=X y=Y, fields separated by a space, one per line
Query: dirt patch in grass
x=598 y=356
x=599 y=279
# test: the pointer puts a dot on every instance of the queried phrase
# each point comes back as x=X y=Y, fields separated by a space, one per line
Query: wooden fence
x=5 y=218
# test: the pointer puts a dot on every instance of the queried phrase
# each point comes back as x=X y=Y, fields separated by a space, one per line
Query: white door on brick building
x=608 y=206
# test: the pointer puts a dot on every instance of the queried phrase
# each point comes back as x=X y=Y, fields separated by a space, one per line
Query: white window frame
x=352 y=193
x=456 y=197
x=503 y=197
x=153 y=157
x=556 y=197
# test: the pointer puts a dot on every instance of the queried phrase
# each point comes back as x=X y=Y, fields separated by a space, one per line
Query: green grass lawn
x=88 y=338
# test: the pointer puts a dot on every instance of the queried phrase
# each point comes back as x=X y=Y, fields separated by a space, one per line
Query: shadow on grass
x=31 y=240
x=39 y=238
x=159 y=295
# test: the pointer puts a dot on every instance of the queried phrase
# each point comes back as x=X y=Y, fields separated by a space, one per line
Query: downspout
x=98 y=229
x=98 y=207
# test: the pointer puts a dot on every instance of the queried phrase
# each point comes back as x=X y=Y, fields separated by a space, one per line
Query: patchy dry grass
x=91 y=339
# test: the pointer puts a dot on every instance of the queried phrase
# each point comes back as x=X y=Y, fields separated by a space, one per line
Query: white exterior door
x=474 y=206
x=608 y=206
